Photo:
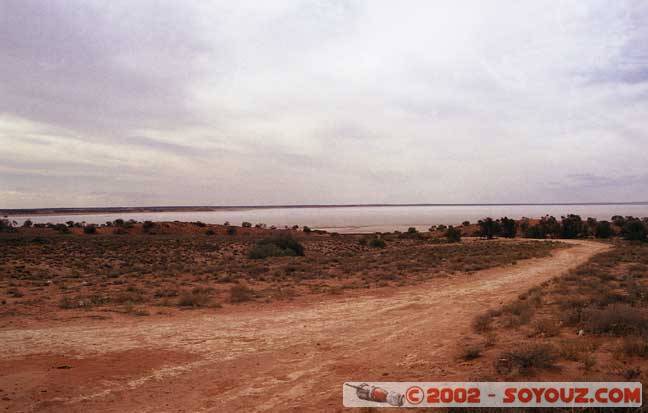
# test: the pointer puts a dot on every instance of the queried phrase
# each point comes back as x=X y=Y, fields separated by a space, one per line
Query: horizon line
x=355 y=205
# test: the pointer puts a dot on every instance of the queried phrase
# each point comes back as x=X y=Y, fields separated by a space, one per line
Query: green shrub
x=6 y=225
x=246 y=224
x=571 y=226
x=276 y=246
x=489 y=228
x=618 y=220
x=148 y=226
x=377 y=243
x=603 y=229
x=260 y=251
x=508 y=227
x=453 y=234
x=90 y=229
x=535 y=231
x=547 y=227
x=62 y=228
x=634 y=230
x=231 y=230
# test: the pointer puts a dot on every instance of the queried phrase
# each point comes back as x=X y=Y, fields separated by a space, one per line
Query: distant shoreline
x=153 y=209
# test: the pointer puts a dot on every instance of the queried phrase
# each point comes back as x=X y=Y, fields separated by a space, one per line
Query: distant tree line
x=570 y=226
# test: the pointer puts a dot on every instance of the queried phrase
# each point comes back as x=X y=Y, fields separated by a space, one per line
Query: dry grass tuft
x=526 y=359
x=197 y=297
x=241 y=293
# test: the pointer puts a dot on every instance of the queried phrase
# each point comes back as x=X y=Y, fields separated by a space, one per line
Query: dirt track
x=265 y=357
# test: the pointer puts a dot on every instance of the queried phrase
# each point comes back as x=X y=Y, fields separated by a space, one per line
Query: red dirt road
x=263 y=357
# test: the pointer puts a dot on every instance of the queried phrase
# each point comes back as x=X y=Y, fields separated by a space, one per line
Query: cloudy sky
x=280 y=102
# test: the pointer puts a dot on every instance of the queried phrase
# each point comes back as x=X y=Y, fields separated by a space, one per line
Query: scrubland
x=160 y=267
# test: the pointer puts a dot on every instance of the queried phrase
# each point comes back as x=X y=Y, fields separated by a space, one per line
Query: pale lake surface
x=359 y=219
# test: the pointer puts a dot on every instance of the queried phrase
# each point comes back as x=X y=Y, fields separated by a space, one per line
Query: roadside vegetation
x=590 y=324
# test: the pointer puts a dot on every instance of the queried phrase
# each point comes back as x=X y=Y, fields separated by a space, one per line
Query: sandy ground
x=274 y=357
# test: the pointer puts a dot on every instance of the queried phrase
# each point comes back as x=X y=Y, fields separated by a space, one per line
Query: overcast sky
x=280 y=102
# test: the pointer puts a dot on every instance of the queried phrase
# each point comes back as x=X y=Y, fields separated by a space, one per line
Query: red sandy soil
x=288 y=356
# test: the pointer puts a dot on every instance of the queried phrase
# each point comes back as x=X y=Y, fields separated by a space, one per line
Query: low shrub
x=471 y=352
x=7 y=225
x=240 y=293
x=635 y=346
x=377 y=243
x=571 y=349
x=265 y=250
x=131 y=296
x=83 y=301
x=62 y=228
x=90 y=229
x=14 y=292
x=616 y=319
x=546 y=328
x=276 y=246
x=163 y=293
x=483 y=322
x=197 y=297
x=527 y=358
x=147 y=226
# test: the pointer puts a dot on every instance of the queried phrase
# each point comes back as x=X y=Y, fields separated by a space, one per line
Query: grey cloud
x=598 y=181
x=321 y=101
x=97 y=66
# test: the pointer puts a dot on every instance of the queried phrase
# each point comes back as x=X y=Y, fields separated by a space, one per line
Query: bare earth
x=263 y=357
